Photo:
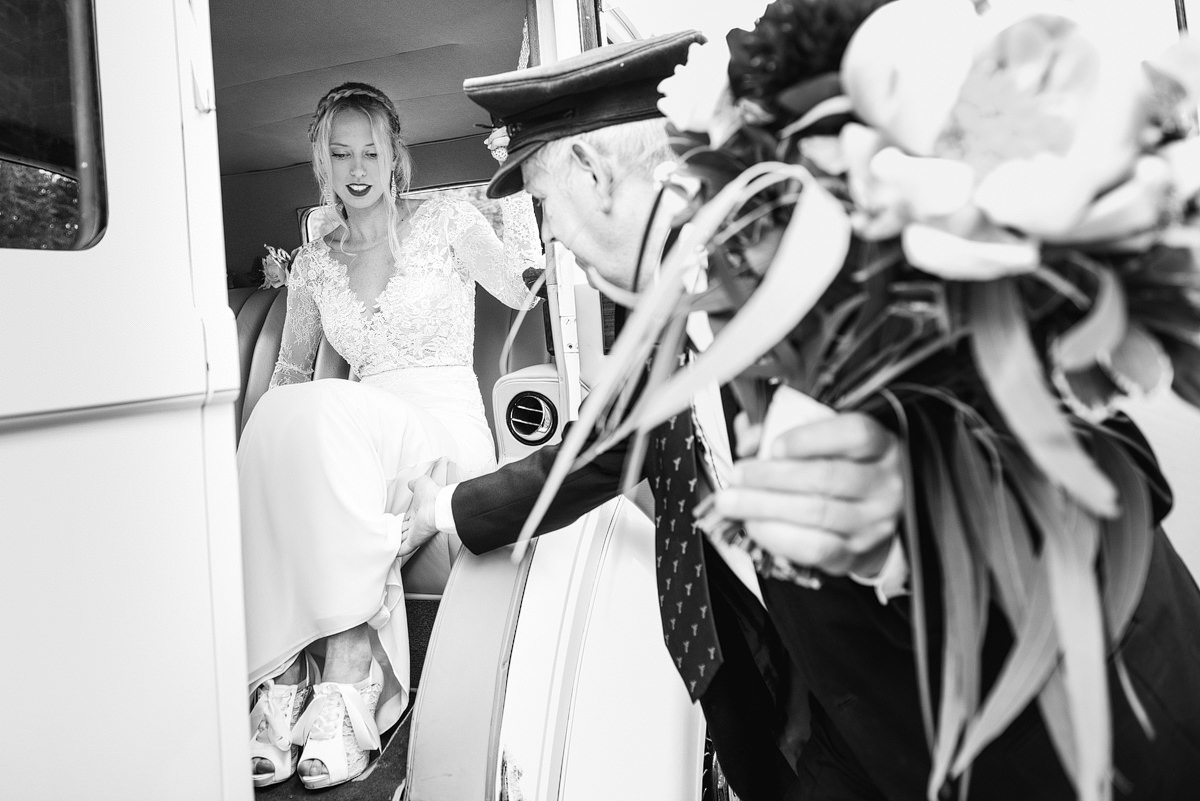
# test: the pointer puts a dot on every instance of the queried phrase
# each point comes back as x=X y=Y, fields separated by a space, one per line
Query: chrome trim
x=473 y=635
x=91 y=414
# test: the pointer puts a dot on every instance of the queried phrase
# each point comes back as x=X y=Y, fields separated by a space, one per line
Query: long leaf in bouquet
x=810 y=255
x=1127 y=541
x=818 y=351
x=919 y=426
x=901 y=339
x=1052 y=700
x=1162 y=274
x=1027 y=669
x=1100 y=331
x=861 y=349
x=782 y=360
x=1000 y=536
x=1008 y=363
x=874 y=281
x=1163 y=288
x=1105 y=356
x=964 y=600
x=1070 y=544
x=1126 y=546
x=663 y=300
x=1174 y=331
x=1166 y=312
x=897 y=368
x=999 y=530
x=1055 y=706
x=1080 y=624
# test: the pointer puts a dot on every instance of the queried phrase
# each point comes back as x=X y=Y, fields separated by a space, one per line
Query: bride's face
x=358 y=176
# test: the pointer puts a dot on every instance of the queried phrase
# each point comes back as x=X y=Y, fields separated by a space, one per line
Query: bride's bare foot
x=293 y=673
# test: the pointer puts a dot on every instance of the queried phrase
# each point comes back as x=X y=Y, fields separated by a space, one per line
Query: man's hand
x=828 y=496
x=419 y=524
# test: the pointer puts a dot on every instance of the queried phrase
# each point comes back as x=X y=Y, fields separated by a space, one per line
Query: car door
x=121 y=578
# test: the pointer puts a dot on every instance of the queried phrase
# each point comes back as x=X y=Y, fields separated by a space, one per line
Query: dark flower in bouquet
x=978 y=227
x=790 y=40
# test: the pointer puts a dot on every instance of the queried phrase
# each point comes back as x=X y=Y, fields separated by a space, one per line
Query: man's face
x=603 y=237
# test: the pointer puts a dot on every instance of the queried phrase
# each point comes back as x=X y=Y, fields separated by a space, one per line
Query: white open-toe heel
x=276 y=710
x=338 y=728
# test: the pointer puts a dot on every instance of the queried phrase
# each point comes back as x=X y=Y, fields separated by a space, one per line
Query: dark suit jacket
x=741 y=706
x=858 y=660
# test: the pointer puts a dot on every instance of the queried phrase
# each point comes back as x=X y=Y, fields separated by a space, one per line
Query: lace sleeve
x=497 y=265
x=301 y=329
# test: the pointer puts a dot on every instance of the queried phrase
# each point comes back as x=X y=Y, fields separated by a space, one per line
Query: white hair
x=638 y=146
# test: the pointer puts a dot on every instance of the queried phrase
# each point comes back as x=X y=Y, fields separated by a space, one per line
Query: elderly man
x=586 y=137
x=585 y=140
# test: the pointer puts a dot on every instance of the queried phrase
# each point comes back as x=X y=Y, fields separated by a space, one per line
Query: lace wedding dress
x=324 y=465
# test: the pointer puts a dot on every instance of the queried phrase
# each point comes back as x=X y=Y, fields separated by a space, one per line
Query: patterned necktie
x=687 y=620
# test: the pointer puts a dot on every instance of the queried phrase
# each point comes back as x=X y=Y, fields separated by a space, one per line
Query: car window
x=40 y=207
x=51 y=156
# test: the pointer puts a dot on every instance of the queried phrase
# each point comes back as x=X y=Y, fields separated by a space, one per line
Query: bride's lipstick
x=358 y=190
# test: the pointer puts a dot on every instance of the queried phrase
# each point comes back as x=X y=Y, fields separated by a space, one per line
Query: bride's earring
x=327 y=197
x=392 y=188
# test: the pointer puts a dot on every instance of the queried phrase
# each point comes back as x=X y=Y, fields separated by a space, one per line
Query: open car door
x=121 y=580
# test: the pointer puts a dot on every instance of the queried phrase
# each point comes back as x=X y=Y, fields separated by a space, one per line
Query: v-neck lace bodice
x=425 y=315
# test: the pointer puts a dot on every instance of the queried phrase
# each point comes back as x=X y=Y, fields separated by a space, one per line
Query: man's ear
x=598 y=169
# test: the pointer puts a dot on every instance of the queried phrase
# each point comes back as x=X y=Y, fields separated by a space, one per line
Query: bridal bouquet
x=275 y=264
x=979 y=226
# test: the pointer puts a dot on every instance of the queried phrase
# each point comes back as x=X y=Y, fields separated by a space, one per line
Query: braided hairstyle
x=385 y=127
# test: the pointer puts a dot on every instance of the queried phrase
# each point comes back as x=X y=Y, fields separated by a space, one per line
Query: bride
x=324 y=465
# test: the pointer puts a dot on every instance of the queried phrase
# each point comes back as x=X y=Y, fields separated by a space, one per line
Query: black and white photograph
x=567 y=400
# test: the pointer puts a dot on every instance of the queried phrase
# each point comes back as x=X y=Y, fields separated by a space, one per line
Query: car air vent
x=531 y=418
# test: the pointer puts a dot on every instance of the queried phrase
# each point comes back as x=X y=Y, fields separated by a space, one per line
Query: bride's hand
x=497 y=142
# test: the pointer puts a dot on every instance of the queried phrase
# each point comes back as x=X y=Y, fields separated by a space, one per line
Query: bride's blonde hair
x=386 y=131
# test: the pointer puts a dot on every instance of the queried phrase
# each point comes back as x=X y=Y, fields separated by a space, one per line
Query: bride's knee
x=307 y=407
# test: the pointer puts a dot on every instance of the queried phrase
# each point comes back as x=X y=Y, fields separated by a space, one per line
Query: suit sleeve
x=489 y=510
x=1129 y=436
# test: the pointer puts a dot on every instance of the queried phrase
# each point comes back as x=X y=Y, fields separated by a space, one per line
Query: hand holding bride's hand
x=419 y=524
x=497 y=142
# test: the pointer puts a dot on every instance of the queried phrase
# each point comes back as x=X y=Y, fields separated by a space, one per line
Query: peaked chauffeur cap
x=600 y=87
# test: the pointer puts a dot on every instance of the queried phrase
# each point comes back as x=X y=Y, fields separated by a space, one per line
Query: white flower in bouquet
x=1026 y=126
x=697 y=97
x=275 y=267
